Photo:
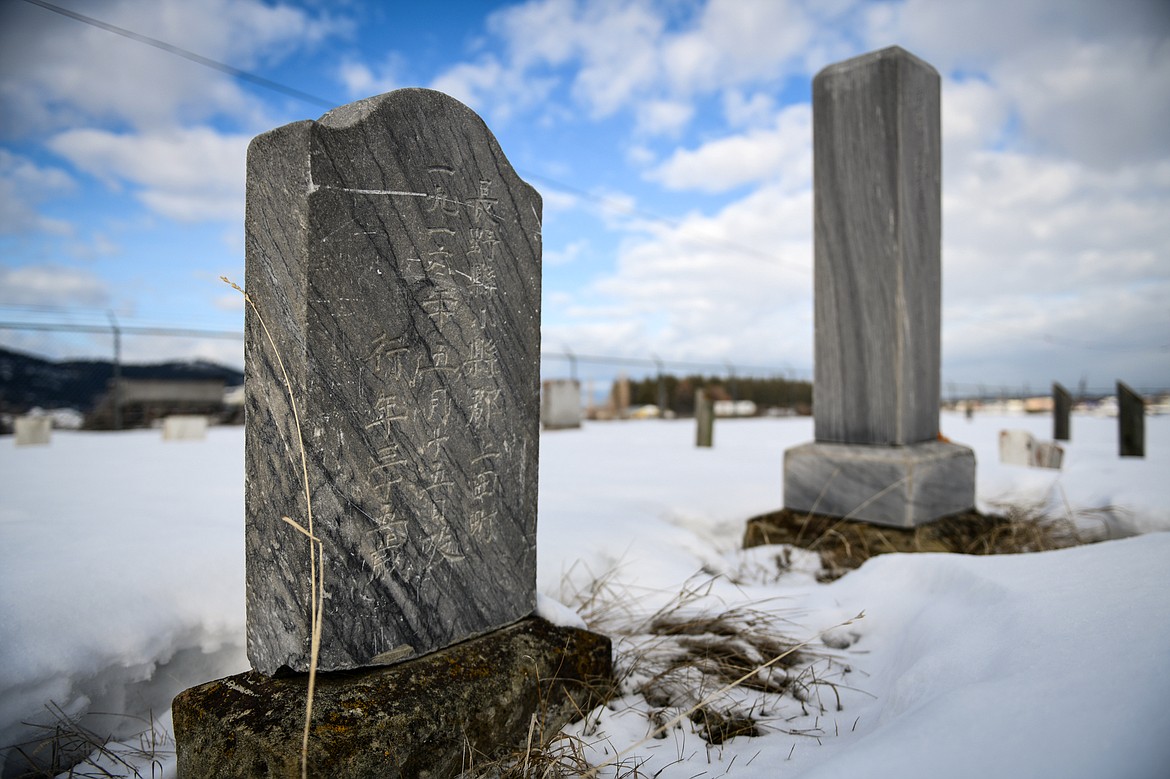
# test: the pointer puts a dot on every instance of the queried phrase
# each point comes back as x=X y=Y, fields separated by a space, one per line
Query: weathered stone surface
x=704 y=420
x=415 y=719
x=560 y=404
x=1131 y=421
x=900 y=486
x=1061 y=411
x=395 y=256
x=877 y=239
x=32 y=430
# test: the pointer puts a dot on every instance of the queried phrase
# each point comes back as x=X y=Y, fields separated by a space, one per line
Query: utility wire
x=199 y=59
x=284 y=89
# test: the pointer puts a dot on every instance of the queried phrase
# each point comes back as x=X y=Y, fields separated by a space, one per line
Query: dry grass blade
x=69 y=748
x=692 y=657
x=316 y=550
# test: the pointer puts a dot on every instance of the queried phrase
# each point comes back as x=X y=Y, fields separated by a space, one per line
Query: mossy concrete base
x=845 y=544
x=427 y=717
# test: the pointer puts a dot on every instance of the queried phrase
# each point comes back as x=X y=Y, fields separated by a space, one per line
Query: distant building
x=144 y=401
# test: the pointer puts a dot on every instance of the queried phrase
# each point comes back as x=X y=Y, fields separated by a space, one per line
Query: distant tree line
x=680 y=392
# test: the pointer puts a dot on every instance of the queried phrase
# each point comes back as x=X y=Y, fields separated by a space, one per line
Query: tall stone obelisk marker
x=878 y=299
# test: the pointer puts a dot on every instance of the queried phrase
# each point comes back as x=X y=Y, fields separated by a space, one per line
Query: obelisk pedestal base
x=898 y=486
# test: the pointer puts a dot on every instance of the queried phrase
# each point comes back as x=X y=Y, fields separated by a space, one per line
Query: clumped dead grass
x=845 y=544
x=690 y=664
x=68 y=748
x=728 y=669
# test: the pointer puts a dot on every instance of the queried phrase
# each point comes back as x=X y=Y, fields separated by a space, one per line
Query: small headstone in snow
x=185 y=427
x=32 y=430
x=560 y=404
x=877 y=225
x=1048 y=454
x=1131 y=421
x=1061 y=410
x=1019 y=447
x=395 y=255
x=704 y=420
x=1015 y=447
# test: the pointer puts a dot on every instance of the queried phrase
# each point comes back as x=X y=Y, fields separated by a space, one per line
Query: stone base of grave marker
x=560 y=404
x=899 y=486
x=433 y=716
x=32 y=431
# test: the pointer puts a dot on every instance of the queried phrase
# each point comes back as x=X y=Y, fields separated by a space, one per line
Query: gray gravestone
x=1131 y=421
x=877 y=304
x=32 y=430
x=395 y=256
x=560 y=404
x=704 y=420
x=1061 y=411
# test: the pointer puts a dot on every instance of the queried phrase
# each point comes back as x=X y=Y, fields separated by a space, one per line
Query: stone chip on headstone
x=877 y=301
x=395 y=256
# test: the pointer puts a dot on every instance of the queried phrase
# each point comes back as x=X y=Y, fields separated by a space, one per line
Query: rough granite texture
x=1131 y=421
x=877 y=237
x=424 y=718
x=395 y=257
x=1061 y=410
x=899 y=486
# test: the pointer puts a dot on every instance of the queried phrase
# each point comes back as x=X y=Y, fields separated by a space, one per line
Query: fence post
x=661 y=387
x=117 y=388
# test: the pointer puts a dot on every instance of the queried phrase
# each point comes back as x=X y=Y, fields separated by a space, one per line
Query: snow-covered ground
x=122 y=582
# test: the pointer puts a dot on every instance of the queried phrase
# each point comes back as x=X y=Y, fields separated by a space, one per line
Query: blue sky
x=671 y=142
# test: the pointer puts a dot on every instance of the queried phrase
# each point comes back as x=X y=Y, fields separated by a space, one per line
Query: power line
x=207 y=62
x=284 y=89
x=125 y=329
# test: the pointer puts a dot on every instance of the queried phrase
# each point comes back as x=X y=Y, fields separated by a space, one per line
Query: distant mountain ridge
x=27 y=380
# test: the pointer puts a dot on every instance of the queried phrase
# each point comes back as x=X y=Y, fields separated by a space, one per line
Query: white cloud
x=1090 y=80
x=360 y=81
x=52 y=285
x=742 y=110
x=782 y=151
x=566 y=255
x=663 y=117
x=735 y=285
x=23 y=185
x=644 y=57
x=191 y=174
x=59 y=72
x=488 y=87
